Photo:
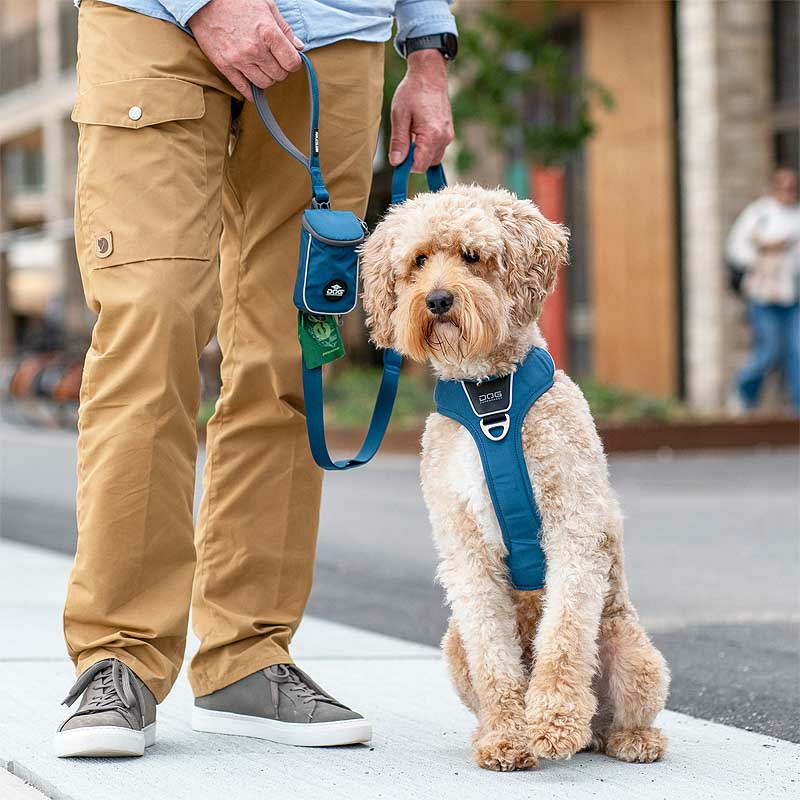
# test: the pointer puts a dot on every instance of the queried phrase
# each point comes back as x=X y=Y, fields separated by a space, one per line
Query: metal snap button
x=135 y=113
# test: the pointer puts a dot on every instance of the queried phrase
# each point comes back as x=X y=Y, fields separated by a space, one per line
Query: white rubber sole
x=301 y=734
x=103 y=741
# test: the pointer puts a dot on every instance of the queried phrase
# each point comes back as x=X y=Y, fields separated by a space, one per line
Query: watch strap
x=433 y=41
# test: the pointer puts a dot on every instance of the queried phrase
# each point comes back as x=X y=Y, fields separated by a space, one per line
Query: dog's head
x=453 y=276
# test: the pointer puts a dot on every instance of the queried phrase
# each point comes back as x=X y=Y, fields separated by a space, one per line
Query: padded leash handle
x=435 y=177
x=311 y=162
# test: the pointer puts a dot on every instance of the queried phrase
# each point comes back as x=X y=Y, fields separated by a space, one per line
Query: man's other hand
x=421 y=108
x=247 y=41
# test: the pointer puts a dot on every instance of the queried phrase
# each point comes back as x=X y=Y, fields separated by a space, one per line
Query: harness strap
x=311 y=163
x=494 y=411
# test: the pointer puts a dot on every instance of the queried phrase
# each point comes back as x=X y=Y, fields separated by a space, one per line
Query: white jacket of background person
x=773 y=276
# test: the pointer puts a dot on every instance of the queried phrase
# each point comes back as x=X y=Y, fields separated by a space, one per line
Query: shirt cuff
x=422 y=18
x=182 y=10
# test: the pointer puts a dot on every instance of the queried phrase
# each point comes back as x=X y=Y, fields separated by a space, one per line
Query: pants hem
x=160 y=687
x=264 y=655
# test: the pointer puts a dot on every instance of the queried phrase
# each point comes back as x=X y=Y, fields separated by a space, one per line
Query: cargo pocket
x=142 y=182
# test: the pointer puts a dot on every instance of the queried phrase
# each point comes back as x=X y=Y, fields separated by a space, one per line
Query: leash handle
x=315 y=423
x=310 y=162
x=435 y=177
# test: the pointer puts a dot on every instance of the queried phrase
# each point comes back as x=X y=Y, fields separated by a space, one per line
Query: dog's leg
x=560 y=701
x=634 y=680
x=456 y=656
x=484 y=613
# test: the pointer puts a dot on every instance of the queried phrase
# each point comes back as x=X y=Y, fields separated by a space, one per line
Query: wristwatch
x=445 y=43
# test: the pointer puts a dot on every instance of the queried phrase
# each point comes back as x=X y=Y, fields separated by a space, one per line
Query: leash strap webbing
x=310 y=162
x=312 y=390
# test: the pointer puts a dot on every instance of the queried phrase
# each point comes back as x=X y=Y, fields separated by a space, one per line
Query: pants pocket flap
x=139 y=102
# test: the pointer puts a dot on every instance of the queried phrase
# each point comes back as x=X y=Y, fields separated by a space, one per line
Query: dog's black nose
x=439 y=301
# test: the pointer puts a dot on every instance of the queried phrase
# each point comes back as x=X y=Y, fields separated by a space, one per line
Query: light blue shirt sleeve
x=422 y=18
x=183 y=9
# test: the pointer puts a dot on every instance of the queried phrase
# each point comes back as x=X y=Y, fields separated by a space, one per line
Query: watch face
x=450 y=42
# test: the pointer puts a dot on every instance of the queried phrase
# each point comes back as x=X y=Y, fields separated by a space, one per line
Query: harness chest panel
x=494 y=411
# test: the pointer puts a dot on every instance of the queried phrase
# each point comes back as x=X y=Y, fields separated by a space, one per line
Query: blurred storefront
x=705 y=104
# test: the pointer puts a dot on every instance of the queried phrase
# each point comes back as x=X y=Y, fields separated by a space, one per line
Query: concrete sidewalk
x=420 y=748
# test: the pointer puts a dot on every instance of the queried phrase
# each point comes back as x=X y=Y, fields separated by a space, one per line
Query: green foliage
x=519 y=81
x=615 y=405
x=350 y=396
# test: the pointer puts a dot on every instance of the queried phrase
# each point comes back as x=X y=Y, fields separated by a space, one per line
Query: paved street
x=711 y=542
x=420 y=748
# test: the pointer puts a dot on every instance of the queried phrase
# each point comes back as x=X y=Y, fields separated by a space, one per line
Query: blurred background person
x=765 y=243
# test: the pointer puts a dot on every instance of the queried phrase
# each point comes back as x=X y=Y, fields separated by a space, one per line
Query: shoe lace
x=108 y=685
x=302 y=686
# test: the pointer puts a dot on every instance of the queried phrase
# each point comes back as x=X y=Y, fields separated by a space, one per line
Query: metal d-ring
x=487 y=426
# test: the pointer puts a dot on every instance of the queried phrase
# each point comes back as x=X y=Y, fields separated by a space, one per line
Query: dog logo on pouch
x=335 y=290
x=490 y=397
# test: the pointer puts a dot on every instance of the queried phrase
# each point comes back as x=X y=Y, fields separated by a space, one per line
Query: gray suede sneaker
x=117 y=716
x=282 y=704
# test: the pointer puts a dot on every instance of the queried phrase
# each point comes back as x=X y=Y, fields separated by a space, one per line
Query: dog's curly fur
x=552 y=672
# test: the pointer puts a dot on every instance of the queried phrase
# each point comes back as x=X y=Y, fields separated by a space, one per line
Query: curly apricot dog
x=550 y=672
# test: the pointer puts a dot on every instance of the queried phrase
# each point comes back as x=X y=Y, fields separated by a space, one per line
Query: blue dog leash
x=320 y=196
x=312 y=375
x=435 y=177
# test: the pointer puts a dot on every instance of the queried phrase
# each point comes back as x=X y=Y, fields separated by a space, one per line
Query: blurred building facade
x=705 y=106
x=706 y=103
x=38 y=145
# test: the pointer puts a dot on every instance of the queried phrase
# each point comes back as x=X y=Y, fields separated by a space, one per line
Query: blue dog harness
x=493 y=412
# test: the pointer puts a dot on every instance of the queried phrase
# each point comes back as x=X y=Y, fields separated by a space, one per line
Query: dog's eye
x=470 y=256
x=420 y=260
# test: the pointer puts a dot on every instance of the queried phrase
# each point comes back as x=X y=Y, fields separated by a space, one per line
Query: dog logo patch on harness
x=335 y=290
x=491 y=396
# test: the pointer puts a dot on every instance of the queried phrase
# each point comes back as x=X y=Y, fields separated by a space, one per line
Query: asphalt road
x=711 y=544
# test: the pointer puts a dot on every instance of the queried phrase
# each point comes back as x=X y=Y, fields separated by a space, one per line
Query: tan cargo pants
x=185 y=221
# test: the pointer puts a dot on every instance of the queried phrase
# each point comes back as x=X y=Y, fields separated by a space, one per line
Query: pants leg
x=765 y=321
x=257 y=530
x=791 y=362
x=148 y=221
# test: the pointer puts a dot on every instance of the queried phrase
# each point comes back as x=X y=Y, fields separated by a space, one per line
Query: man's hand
x=247 y=40
x=421 y=107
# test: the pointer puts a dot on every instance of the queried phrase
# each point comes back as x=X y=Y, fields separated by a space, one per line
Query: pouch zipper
x=326 y=240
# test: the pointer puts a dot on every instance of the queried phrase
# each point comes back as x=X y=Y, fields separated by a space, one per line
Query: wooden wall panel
x=630 y=200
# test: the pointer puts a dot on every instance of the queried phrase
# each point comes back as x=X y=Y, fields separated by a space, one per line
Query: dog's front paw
x=555 y=730
x=503 y=750
x=640 y=745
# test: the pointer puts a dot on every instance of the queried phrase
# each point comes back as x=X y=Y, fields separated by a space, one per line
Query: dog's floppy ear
x=379 y=285
x=535 y=248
